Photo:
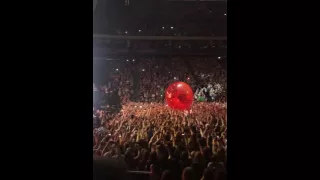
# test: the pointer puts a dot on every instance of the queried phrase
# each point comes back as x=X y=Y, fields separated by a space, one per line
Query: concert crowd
x=146 y=135
x=209 y=77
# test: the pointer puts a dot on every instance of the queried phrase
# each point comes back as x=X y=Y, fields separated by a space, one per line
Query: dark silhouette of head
x=188 y=174
x=167 y=175
x=153 y=156
x=105 y=168
x=208 y=174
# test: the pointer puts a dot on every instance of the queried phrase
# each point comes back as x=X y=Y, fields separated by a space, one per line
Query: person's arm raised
x=202 y=133
x=96 y=138
x=208 y=141
x=191 y=131
x=187 y=147
x=124 y=138
x=138 y=155
x=200 y=147
x=216 y=125
x=152 y=139
x=169 y=151
x=104 y=138
x=105 y=147
x=138 y=136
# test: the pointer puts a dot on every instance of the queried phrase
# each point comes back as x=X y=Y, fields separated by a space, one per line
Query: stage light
x=162 y=27
x=127 y=60
x=133 y=60
x=117 y=69
x=174 y=78
x=219 y=57
x=139 y=30
x=143 y=70
x=225 y=14
x=126 y=32
x=171 y=27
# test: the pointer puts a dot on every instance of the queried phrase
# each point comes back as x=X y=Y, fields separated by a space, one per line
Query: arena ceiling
x=114 y=13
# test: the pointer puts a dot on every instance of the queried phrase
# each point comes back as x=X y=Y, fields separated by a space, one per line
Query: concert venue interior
x=159 y=89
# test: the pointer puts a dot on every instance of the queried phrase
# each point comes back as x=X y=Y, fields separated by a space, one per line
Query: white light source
x=139 y=30
x=174 y=78
x=225 y=14
x=117 y=69
x=219 y=57
x=133 y=60
x=126 y=32
x=171 y=27
x=127 y=60
x=143 y=70
x=162 y=27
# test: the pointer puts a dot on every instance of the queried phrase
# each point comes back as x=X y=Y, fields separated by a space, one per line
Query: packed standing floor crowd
x=149 y=136
x=152 y=137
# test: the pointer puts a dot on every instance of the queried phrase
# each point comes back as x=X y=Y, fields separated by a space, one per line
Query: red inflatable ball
x=179 y=96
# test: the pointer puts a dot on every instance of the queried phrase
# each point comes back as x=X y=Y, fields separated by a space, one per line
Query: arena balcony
x=99 y=37
x=106 y=45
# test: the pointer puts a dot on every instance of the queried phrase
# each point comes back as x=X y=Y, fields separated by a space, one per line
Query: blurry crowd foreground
x=168 y=144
